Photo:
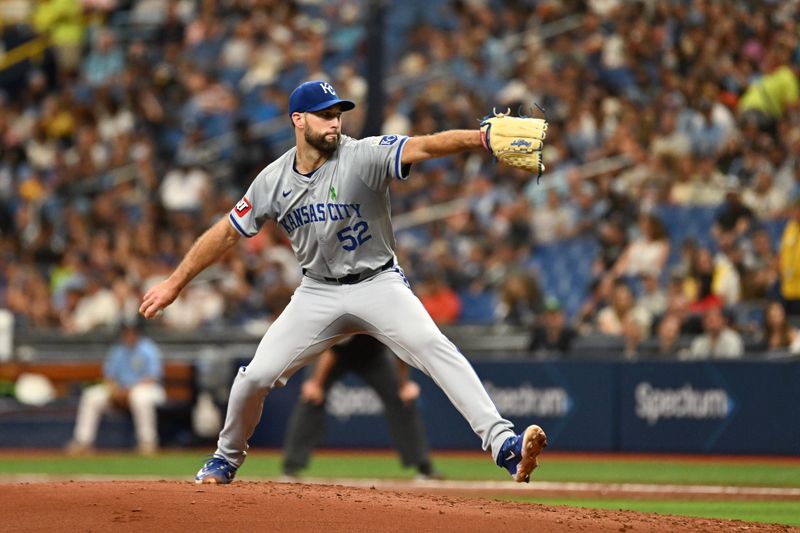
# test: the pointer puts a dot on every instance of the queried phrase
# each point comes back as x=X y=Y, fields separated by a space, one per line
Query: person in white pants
x=131 y=379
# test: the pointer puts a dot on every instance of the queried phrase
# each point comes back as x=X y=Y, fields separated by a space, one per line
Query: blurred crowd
x=140 y=122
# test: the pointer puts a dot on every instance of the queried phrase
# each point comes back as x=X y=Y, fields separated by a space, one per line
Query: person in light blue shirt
x=132 y=374
x=105 y=61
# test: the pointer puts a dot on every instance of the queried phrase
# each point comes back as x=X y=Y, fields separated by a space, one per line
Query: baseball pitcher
x=330 y=194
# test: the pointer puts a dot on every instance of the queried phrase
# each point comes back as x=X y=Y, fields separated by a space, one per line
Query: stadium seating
x=564 y=270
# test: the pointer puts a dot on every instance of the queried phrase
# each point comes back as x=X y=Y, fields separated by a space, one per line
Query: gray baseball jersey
x=337 y=219
x=339 y=223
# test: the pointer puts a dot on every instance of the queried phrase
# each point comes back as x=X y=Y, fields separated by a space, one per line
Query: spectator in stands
x=770 y=96
x=553 y=221
x=26 y=295
x=105 y=60
x=678 y=304
x=718 y=342
x=520 y=301
x=681 y=188
x=760 y=268
x=553 y=336
x=250 y=154
x=733 y=216
x=698 y=285
x=709 y=127
x=792 y=170
x=586 y=213
x=778 y=333
x=201 y=304
x=726 y=281
x=623 y=307
x=669 y=139
x=705 y=186
x=40 y=150
x=686 y=258
x=441 y=302
x=669 y=338
x=62 y=22
x=132 y=373
x=97 y=307
x=762 y=196
x=612 y=241
x=789 y=261
x=619 y=206
x=599 y=290
x=635 y=329
x=647 y=252
x=652 y=297
x=184 y=189
x=171 y=31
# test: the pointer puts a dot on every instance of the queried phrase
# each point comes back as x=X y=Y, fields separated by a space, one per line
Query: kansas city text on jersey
x=306 y=214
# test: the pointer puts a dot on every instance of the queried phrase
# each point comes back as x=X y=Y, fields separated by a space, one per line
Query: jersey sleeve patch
x=243 y=207
x=388 y=140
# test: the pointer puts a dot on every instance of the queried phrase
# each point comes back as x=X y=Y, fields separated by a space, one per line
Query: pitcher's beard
x=323 y=145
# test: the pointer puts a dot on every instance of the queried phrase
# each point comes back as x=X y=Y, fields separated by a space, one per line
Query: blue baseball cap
x=314 y=96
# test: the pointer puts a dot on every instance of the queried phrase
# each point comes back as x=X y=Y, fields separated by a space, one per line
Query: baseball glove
x=515 y=141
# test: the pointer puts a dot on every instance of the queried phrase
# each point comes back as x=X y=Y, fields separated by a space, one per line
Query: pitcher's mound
x=170 y=506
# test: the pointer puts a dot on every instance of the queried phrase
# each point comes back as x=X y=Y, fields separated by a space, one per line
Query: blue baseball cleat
x=217 y=470
x=518 y=454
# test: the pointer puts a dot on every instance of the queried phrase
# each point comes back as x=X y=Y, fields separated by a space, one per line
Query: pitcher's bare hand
x=157 y=298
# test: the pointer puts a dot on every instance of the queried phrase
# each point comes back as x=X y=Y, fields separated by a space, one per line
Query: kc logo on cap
x=314 y=96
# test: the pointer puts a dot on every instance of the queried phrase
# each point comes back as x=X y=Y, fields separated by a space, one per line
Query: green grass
x=456 y=467
x=779 y=512
x=185 y=464
x=670 y=472
x=168 y=465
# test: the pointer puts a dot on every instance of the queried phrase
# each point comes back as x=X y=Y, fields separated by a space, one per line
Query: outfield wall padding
x=744 y=407
x=716 y=407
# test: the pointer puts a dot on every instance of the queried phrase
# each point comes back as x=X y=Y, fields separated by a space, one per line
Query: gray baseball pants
x=318 y=315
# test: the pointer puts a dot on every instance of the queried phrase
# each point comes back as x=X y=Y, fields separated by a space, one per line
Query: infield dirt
x=172 y=506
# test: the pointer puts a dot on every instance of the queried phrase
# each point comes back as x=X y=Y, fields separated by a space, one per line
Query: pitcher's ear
x=298 y=119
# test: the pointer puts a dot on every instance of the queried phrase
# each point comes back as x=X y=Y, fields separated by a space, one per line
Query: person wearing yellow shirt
x=771 y=95
x=62 y=21
x=789 y=254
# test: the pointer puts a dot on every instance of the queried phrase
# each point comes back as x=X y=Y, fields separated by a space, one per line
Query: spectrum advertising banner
x=736 y=407
x=732 y=407
x=573 y=401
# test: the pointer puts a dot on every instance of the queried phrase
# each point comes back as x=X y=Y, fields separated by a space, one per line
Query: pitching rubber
x=533 y=442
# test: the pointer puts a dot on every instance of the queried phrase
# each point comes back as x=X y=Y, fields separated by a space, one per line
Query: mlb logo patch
x=388 y=140
x=242 y=207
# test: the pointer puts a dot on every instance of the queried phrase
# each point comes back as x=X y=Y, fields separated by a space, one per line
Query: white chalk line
x=575 y=487
x=504 y=486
